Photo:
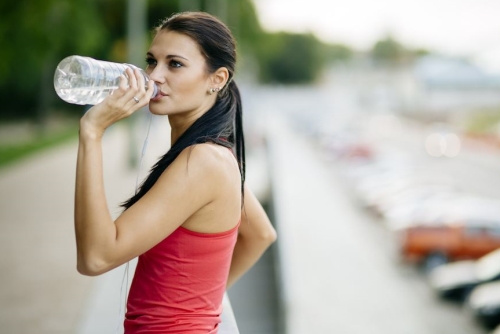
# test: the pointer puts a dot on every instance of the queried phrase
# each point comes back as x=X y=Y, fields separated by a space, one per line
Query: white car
x=484 y=304
x=456 y=280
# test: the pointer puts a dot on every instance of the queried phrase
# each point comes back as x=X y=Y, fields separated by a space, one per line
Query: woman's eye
x=150 y=61
x=176 y=64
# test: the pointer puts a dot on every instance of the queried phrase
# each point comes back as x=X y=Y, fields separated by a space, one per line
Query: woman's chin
x=157 y=111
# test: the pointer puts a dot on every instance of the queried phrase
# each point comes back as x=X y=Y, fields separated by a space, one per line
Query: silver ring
x=136 y=99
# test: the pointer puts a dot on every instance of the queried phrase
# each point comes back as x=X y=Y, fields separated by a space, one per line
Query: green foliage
x=34 y=35
x=290 y=58
x=244 y=24
x=421 y=52
x=389 y=50
x=158 y=10
x=337 y=52
x=15 y=151
x=483 y=121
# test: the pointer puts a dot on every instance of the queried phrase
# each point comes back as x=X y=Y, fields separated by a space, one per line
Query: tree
x=34 y=35
x=389 y=50
x=337 y=52
x=290 y=58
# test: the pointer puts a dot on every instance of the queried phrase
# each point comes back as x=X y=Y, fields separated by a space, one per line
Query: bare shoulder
x=211 y=156
x=210 y=162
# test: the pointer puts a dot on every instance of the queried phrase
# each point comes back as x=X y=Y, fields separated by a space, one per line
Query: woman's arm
x=103 y=244
x=255 y=235
x=94 y=226
x=93 y=223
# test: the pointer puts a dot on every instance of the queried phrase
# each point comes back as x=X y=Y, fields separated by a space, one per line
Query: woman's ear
x=219 y=78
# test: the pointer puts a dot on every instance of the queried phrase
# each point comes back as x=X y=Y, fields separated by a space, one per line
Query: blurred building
x=429 y=86
x=445 y=84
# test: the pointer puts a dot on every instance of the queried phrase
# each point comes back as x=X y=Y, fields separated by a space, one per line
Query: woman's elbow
x=273 y=236
x=91 y=267
x=269 y=236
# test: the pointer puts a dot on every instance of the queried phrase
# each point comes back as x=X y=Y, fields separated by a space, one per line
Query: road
x=339 y=266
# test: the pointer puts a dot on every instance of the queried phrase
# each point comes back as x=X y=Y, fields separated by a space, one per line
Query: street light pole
x=136 y=46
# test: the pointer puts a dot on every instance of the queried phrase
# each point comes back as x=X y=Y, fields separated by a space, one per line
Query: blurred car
x=484 y=304
x=358 y=151
x=381 y=166
x=456 y=280
x=375 y=193
x=434 y=243
x=347 y=146
x=435 y=208
x=417 y=195
x=416 y=211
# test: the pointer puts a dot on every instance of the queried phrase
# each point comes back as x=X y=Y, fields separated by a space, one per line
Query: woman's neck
x=179 y=123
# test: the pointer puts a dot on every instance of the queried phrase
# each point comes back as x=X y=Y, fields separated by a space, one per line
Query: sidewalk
x=40 y=289
x=37 y=251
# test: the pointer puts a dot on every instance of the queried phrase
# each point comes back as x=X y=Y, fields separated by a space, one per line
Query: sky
x=469 y=28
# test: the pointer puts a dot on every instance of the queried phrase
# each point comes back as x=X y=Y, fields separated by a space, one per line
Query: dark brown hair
x=223 y=123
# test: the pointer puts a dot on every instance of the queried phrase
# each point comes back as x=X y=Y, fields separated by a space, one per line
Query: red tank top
x=179 y=284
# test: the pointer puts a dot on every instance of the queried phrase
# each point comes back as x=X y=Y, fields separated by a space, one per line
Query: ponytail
x=239 y=140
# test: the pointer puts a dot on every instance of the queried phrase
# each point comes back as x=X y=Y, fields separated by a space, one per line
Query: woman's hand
x=130 y=96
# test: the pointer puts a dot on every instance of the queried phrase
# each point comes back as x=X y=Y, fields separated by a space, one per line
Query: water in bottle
x=84 y=80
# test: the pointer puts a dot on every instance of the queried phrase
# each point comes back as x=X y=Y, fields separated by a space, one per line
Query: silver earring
x=213 y=90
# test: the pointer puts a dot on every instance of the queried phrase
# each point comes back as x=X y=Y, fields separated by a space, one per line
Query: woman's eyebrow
x=168 y=56
x=175 y=56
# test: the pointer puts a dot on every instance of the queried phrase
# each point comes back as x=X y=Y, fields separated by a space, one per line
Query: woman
x=194 y=224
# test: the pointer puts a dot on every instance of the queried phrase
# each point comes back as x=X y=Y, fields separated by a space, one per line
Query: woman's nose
x=157 y=75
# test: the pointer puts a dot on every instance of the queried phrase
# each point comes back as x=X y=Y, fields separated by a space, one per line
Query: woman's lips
x=159 y=96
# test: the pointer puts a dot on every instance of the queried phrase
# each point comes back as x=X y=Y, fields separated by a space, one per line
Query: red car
x=433 y=245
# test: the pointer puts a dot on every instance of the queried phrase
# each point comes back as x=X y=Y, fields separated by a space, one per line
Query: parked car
x=418 y=211
x=484 y=304
x=347 y=146
x=418 y=193
x=434 y=243
x=438 y=207
x=377 y=194
x=456 y=280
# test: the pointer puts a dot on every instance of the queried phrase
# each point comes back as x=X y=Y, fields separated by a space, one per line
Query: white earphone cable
x=123 y=292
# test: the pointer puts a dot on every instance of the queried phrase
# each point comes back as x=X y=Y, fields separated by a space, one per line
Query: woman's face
x=175 y=63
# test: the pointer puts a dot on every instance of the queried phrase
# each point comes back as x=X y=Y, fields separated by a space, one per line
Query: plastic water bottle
x=84 y=80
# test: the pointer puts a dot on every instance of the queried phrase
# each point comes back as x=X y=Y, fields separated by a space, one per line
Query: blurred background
x=373 y=141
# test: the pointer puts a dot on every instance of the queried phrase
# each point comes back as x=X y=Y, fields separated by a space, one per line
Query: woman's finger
x=135 y=96
x=132 y=79
x=150 y=85
x=127 y=88
x=123 y=83
x=141 y=84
